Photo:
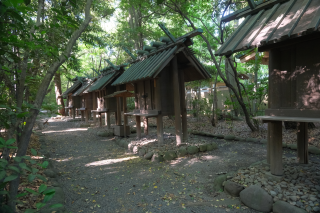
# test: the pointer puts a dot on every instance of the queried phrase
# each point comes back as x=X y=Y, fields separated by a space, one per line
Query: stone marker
x=142 y=152
x=256 y=198
x=233 y=188
x=182 y=152
x=169 y=155
x=192 y=149
x=148 y=156
x=282 y=207
x=218 y=182
x=203 y=147
x=212 y=146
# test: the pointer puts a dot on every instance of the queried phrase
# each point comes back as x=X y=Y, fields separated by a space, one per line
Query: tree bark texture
x=58 y=91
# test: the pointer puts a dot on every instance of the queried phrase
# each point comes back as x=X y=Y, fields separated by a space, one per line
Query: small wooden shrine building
x=86 y=98
x=158 y=76
x=290 y=31
x=73 y=102
x=102 y=87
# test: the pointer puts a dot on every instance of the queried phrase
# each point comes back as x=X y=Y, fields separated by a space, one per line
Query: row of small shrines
x=155 y=79
x=288 y=30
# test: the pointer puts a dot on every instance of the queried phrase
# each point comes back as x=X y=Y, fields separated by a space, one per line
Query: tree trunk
x=59 y=98
x=214 y=103
x=27 y=131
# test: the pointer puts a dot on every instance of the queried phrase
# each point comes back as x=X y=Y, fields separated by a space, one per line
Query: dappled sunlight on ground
x=110 y=161
x=66 y=130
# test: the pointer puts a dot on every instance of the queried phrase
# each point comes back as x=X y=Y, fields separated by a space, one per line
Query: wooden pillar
x=82 y=117
x=183 y=107
x=125 y=120
x=138 y=126
x=73 y=113
x=276 y=166
x=118 y=111
x=176 y=95
x=108 y=121
x=100 y=119
x=86 y=115
x=302 y=140
x=77 y=112
x=94 y=106
x=158 y=108
x=146 y=124
x=268 y=144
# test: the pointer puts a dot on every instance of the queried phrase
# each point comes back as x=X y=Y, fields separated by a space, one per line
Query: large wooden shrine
x=158 y=75
x=289 y=31
x=102 y=87
x=73 y=102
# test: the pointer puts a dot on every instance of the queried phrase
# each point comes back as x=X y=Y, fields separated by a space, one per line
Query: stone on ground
x=233 y=188
x=284 y=145
x=105 y=133
x=182 y=152
x=157 y=158
x=281 y=207
x=142 y=152
x=84 y=125
x=135 y=149
x=229 y=137
x=169 y=155
x=203 y=147
x=192 y=149
x=252 y=140
x=264 y=141
x=314 y=150
x=219 y=136
x=292 y=146
x=50 y=173
x=212 y=146
x=218 y=182
x=148 y=156
x=256 y=198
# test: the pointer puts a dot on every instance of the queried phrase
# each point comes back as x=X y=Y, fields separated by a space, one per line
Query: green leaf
x=2 y=174
x=43 y=32
x=4 y=192
x=33 y=161
x=10 y=141
x=10 y=178
x=27 y=2
x=47 y=198
x=24 y=166
x=14 y=168
x=26 y=157
x=45 y=164
x=17 y=159
x=56 y=205
x=21 y=115
x=42 y=188
x=2 y=141
x=31 y=177
x=34 y=170
x=49 y=192
x=31 y=191
x=22 y=194
x=30 y=211
x=33 y=151
x=40 y=205
x=12 y=147
x=42 y=178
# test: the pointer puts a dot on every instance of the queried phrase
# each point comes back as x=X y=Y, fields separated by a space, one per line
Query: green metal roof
x=72 y=88
x=103 y=81
x=145 y=68
x=84 y=86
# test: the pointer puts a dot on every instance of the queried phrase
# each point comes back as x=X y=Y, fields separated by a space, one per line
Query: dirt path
x=99 y=176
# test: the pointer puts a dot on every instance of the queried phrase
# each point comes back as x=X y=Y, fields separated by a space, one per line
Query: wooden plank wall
x=167 y=104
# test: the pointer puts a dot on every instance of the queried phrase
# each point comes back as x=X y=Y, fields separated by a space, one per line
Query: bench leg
x=276 y=166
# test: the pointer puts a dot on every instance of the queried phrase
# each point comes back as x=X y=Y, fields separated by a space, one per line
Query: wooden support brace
x=108 y=122
x=100 y=119
x=73 y=113
x=276 y=166
x=268 y=144
x=86 y=115
x=138 y=126
x=125 y=120
x=158 y=107
x=118 y=111
x=94 y=98
x=82 y=115
x=176 y=95
x=302 y=140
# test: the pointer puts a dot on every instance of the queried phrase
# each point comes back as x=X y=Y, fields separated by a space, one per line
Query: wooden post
x=138 y=126
x=108 y=121
x=276 y=166
x=302 y=140
x=268 y=144
x=100 y=119
x=82 y=117
x=94 y=99
x=73 y=113
x=183 y=107
x=176 y=95
x=158 y=108
x=118 y=111
x=125 y=120
x=77 y=112
x=146 y=124
x=86 y=115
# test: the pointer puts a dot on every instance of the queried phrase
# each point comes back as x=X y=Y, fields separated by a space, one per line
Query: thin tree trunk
x=27 y=131
x=58 y=90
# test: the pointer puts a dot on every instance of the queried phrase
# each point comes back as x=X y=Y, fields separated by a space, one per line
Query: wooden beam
x=176 y=95
x=129 y=53
x=94 y=106
x=167 y=32
x=125 y=120
x=276 y=166
x=251 y=3
x=138 y=126
x=248 y=11
x=302 y=140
